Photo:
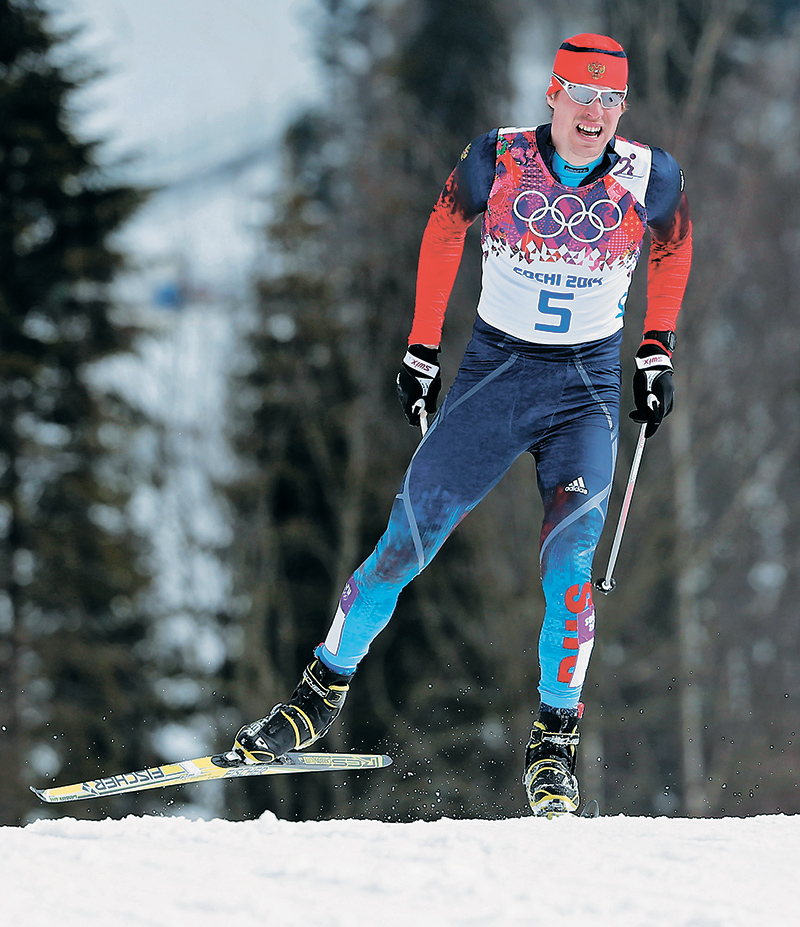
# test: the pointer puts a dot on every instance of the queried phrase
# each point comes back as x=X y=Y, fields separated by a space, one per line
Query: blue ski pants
x=558 y=403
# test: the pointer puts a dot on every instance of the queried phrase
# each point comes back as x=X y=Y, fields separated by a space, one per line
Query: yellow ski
x=221 y=766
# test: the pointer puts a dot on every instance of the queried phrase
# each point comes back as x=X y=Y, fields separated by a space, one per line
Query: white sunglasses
x=585 y=95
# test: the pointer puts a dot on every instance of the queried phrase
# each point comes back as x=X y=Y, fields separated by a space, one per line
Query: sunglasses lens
x=581 y=94
x=611 y=98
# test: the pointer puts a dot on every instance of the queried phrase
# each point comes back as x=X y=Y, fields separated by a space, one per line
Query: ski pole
x=419 y=407
x=606 y=584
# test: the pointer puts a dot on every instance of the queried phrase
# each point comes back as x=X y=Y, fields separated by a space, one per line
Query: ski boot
x=313 y=707
x=550 y=763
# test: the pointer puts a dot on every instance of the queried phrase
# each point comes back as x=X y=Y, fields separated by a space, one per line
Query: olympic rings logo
x=549 y=220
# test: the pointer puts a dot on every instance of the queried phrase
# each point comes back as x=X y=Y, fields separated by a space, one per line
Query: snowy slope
x=610 y=871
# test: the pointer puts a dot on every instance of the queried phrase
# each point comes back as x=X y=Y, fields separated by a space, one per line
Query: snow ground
x=617 y=871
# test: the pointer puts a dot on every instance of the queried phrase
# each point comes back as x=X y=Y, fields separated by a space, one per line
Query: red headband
x=591 y=59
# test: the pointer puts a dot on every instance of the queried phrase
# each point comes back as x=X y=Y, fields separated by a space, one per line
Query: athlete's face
x=581 y=132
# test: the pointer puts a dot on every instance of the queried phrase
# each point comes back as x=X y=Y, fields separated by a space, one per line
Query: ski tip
x=40 y=793
x=591 y=809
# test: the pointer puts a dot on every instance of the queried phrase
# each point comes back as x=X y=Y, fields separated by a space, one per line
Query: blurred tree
x=697 y=647
x=72 y=690
x=692 y=689
x=410 y=84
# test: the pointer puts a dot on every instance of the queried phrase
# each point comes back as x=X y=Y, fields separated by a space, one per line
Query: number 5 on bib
x=562 y=313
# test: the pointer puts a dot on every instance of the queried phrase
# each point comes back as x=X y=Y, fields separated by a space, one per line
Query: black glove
x=653 y=391
x=419 y=382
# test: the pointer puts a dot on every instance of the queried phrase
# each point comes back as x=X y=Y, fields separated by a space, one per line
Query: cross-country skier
x=565 y=208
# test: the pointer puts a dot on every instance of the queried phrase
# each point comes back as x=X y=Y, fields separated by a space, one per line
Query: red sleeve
x=668 y=270
x=439 y=258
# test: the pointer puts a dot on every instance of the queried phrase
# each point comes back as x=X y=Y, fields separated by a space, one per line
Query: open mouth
x=592 y=132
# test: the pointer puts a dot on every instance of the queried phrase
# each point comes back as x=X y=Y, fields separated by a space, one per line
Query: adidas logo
x=577 y=486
